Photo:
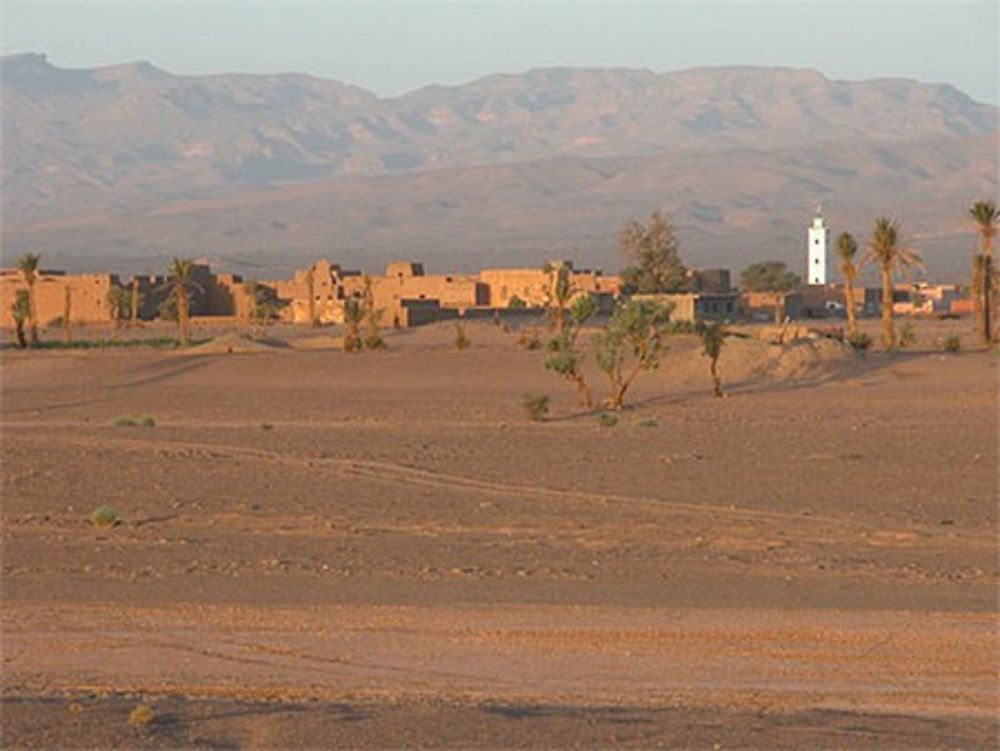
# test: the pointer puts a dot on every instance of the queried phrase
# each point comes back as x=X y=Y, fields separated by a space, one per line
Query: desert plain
x=379 y=550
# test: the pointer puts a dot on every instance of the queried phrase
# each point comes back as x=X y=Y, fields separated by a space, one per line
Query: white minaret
x=818 y=239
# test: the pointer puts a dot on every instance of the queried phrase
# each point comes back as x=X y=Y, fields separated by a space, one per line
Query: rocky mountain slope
x=122 y=164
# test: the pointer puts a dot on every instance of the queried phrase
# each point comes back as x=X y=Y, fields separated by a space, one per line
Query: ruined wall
x=327 y=293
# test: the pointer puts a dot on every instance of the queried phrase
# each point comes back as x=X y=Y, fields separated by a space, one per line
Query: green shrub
x=907 y=335
x=648 y=422
x=141 y=716
x=860 y=341
x=529 y=339
x=607 y=419
x=104 y=516
x=536 y=406
x=135 y=422
x=952 y=343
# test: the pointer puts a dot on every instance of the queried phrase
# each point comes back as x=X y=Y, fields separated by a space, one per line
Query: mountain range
x=125 y=166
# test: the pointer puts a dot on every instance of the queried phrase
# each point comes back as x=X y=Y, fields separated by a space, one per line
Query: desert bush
x=907 y=335
x=952 y=343
x=104 y=516
x=607 y=419
x=141 y=716
x=134 y=422
x=528 y=339
x=630 y=344
x=462 y=340
x=536 y=406
x=373 y=318
x=648 y=422
x=564 y=358
x=860 y=341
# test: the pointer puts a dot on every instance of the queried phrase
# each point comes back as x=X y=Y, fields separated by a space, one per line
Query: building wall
x=533 y=286
x=697 y=306
x=88 y=296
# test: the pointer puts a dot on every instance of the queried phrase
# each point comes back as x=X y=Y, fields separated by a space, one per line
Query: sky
x=393 y=47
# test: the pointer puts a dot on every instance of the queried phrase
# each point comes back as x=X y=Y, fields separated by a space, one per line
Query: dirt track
x=387 y=532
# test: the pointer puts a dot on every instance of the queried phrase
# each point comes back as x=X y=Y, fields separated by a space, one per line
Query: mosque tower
x=818 y=239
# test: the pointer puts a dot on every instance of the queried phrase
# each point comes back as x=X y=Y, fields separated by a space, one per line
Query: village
x=405 y=295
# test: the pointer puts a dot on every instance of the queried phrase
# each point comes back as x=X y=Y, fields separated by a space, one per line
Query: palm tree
x=885 y=249
x=28 y=264
x=713 y=337
x=181 y=271
x=986 y=217
x=847 y=249
x=354 y=313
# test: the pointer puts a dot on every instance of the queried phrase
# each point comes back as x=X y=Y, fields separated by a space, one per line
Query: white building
x=818 y=240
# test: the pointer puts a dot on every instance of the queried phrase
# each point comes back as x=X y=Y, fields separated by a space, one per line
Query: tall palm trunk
x=134 y=303
x=68 y=314
x=987 y=281
x=311 y=286
x=888 y=333
x=977 y=295
x=182 y=313
x=852 y=317
x=32 y=313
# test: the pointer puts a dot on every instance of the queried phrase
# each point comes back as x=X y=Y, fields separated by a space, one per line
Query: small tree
x=564 y=358
x=373 y=318
x=117 y=302
x=252 y=292
x=28 y=264
x=353 y=315
x=630 y=344
x=558 y=294
x=20 y=311
x=769 y=276
x=652 y=256
x=847 y=249
x=713 y=337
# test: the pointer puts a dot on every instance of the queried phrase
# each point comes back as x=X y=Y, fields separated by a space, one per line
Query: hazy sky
x=392 y=47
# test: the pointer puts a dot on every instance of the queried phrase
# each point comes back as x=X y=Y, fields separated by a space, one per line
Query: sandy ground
x=380 y=550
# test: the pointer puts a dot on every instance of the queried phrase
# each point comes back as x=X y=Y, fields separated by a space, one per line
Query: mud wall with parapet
x=88 y=297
